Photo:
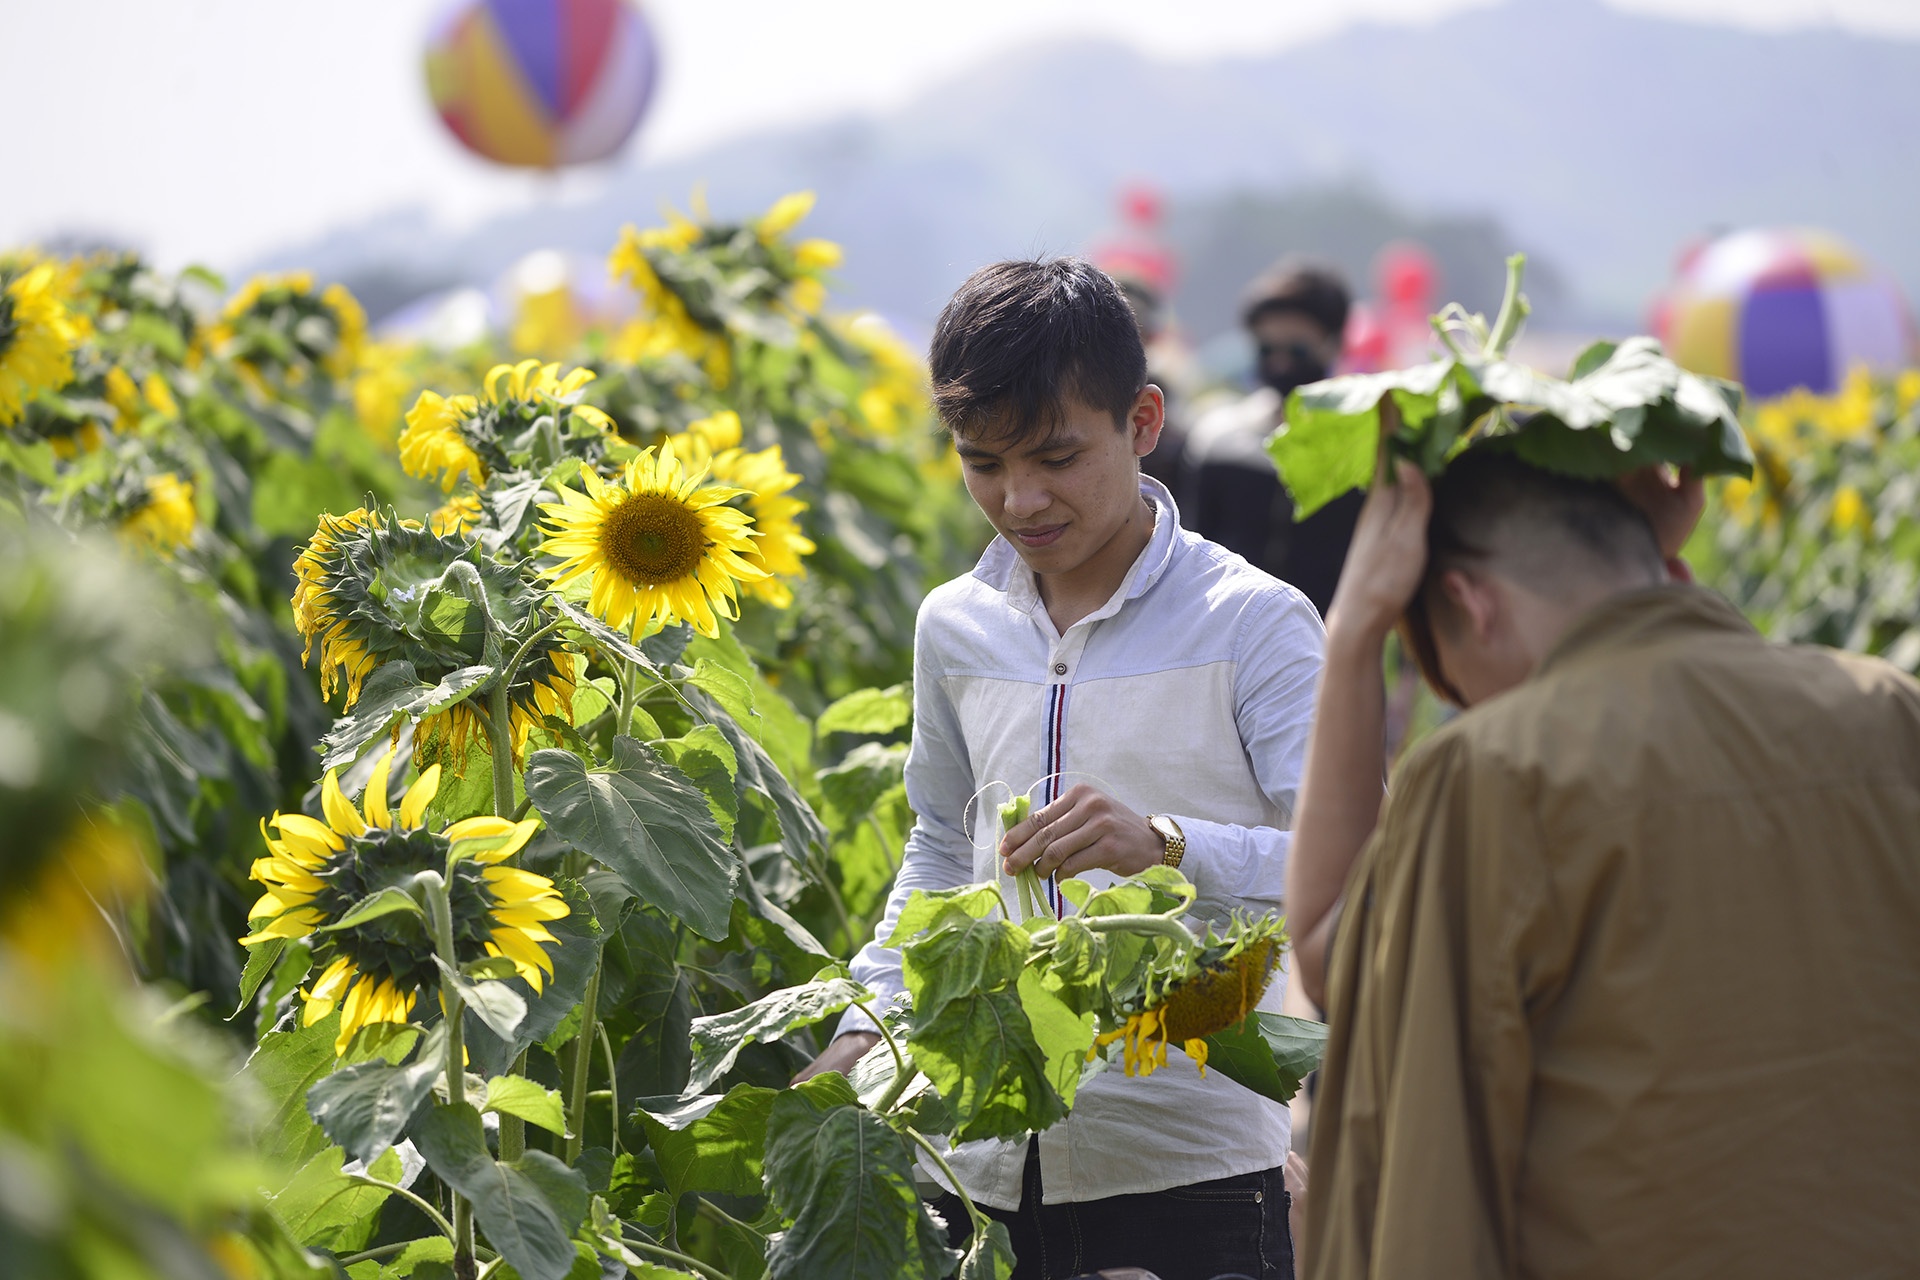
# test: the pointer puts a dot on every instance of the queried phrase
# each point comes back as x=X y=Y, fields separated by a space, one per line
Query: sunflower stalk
x=583 y=1045
x=966 y=1201
x=440 y=908
x=513 y=1129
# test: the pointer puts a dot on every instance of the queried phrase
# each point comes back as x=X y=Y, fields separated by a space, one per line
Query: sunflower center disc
x=652 y=538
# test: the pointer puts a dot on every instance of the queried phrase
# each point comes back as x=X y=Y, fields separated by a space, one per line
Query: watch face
x=1161 y=823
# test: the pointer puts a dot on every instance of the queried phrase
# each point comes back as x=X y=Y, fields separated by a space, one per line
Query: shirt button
x=1059 y=668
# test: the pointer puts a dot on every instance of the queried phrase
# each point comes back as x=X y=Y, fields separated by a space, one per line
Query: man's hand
x=840 y=1055
x=1387 y=557
x=1671 y=501
x=1083 y=829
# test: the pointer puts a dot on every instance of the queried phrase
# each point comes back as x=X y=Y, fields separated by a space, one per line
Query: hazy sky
x=214 y=130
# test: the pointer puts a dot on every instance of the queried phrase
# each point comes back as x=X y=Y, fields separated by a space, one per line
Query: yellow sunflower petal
x=375 y=799
x=341 y=815
x=413 y=805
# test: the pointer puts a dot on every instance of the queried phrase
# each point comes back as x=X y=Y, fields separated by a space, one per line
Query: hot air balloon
x=542 y=82
x=1779 y=309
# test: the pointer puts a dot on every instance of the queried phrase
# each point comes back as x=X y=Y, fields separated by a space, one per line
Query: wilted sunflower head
x=373 y=588
x=1214 y=988
x=317 y=872
x=658 y=544
x=781 y=544
x=449 y=439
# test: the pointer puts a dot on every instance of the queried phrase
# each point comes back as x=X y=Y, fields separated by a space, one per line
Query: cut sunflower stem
x=902 y=1081
x=899 y=1060
x=582 y=1067
x=1513 y=309
x=973 y=1210
x=1168 y=925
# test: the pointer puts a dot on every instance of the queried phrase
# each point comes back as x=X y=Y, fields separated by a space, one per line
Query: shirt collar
x=1642 y=617
x=1002 y=568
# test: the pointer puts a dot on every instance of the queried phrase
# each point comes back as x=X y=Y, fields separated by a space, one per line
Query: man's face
x=1062 y=498
x=1293 y=349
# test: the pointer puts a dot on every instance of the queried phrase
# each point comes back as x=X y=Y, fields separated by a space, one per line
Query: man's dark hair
x=1312 y=289
x=1543 y=529
x=1019 y=337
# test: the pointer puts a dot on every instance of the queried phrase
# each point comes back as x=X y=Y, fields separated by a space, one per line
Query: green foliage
x=1625 y=405
x=1823 y=545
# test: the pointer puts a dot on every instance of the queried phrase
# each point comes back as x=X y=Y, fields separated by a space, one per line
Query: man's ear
x=1475 y=599
x=1149 y=416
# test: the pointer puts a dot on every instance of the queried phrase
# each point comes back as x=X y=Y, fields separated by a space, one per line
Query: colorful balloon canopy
x=1777 y=310
x=542 y=82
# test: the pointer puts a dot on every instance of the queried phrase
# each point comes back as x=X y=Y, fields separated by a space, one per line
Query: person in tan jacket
x=1623 y=974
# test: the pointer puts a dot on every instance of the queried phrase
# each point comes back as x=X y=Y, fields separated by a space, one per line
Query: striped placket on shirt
x=1056 y=730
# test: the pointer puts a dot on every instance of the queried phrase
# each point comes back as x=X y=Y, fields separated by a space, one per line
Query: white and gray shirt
x=1190 y=693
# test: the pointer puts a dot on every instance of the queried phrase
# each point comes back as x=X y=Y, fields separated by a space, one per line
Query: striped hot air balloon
x=542 y=82
x=1779 y=309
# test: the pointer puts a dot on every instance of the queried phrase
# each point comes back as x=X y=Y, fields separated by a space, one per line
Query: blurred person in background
x=1296 y=315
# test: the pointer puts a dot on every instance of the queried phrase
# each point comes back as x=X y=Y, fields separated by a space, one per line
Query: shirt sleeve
x=938 y=854
x=1421 y=1111
x=1281 y=650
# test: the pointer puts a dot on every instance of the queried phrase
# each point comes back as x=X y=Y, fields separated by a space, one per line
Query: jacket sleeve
x=1280 y=651
x=1420 y=1118
x=938 y=854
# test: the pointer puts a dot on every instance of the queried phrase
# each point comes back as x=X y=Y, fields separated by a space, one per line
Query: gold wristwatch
x=1169 y=831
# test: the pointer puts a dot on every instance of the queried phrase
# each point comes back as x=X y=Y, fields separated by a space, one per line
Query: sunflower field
x=440 y=791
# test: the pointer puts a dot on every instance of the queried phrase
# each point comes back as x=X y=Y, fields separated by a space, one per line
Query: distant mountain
x=1599 y=139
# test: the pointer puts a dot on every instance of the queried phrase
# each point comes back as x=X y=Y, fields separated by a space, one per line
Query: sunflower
x=451 y=438
x=316 y=872
x=164 y=520
x=457 y=516
x=765 y=477
x=36 y=340
x=659 y=545
x=355 y=578
x=665 y=326
x=1216 y=988
x=277 y=324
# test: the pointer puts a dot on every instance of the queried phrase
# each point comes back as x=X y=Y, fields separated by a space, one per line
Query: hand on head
x=1671 y=500
x=1388 y=554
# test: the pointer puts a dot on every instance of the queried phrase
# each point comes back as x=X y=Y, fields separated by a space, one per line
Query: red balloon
x=1407 y=276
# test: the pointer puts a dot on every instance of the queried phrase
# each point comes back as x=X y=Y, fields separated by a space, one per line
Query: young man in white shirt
x=1098 y=638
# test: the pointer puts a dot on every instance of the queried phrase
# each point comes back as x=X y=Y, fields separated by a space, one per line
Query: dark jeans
x=1228 y=1226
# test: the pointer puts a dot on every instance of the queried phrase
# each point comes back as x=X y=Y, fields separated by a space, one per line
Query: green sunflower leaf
x=845 y=1181
x=493 y=1002
x=989 y=1255
x=532 y=1102
x=365 y=1108
x=382 y=902
x=980 y=1051
x=870 y=711
x=606 y=637
x=529 y=1208
x=718 y=1040
x=322 y=1208
x=647 y=823
x=394 y=692
x=1269 y=1053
